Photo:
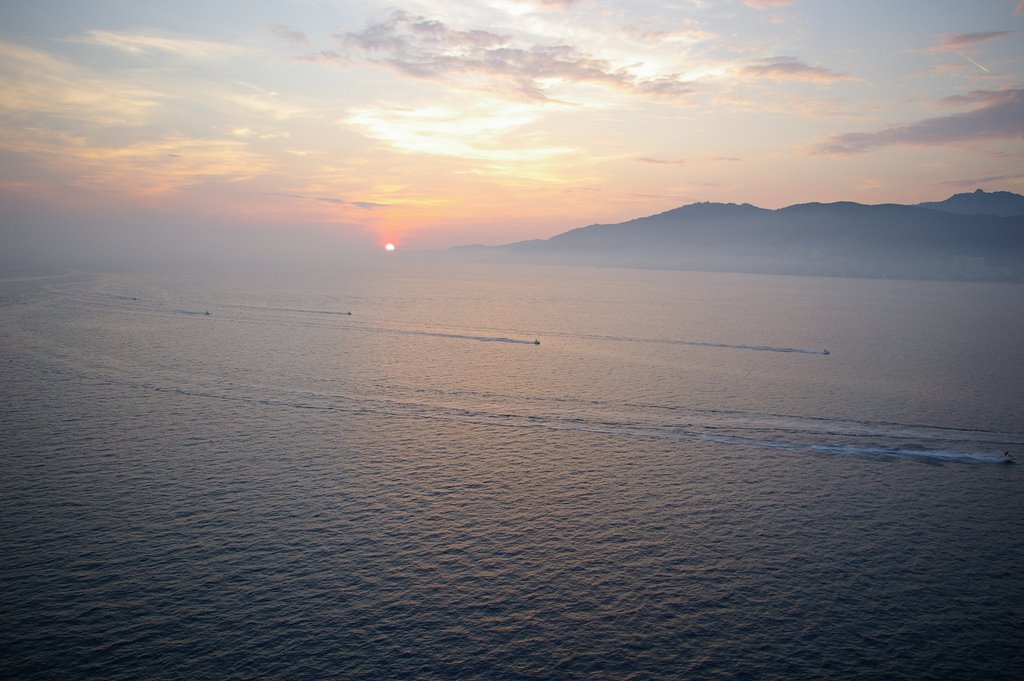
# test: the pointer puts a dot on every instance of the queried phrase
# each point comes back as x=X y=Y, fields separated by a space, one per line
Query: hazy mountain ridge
x=980 y=202
x=829 y=239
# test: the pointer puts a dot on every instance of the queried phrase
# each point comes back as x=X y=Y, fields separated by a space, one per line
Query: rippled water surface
x=230 y=475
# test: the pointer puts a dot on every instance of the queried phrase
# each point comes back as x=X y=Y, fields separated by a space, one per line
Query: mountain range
x=971 y=236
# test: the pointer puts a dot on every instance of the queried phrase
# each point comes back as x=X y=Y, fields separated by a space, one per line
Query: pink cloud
x=958 y=41
x=790 y=68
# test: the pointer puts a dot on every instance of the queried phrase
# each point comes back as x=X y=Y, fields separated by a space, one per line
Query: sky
x=331 y=126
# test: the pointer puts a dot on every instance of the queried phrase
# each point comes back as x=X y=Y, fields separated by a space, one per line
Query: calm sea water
x=675 y=483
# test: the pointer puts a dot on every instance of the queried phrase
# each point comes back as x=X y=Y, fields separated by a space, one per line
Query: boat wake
x=734 y=429
x=812 y=434
x=456 y=336
x=683 y=342
x=344 y=320
x=252 y=314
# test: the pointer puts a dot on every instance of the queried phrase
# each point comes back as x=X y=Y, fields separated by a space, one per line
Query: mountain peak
x=980 y=202
x=963 y=237
x=708 y=209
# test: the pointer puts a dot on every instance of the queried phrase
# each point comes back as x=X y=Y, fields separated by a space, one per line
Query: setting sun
x=389 y=247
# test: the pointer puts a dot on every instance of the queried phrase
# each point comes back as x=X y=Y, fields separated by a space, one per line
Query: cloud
x=790 y=68
x=998 y=114
x=548 y=4
x=948 y=68
x=474 y=133
x=148 y=167
x=691 y=35
x=766 y=4
x=35 y=82
x=367 y=205
x=659 y=161
x=426 y=48
x=975 y=181
x=680 y=162
x=1020 y=8
x=663 y=85
x=147 y=43
x=108 y=131
x=958 y=41
x=255 y=100
x=493 y=139
x=791 y=105
x=292 y=37
x=978 y=98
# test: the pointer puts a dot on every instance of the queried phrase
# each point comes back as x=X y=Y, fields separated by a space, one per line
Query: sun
x=389 y=247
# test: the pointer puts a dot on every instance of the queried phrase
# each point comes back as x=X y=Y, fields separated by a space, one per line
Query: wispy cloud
x=690 y=35
x=790 y=68
x=997 y=114
x=430 y=49
x=659 y=161
x=477 y=133
x=178 y=86
x=151 y=167
x=147 y=43
x=767 y=4
x=978 y=98
x=975 y=181
x=495 y=139
x=34 y=82
x=367 y=205
x=547 y=4
x=260 y=102
x=791 y=106
x=682 y=162
x=290 y=36
x=958 y=41
x=103 y=130
x=1020 y=8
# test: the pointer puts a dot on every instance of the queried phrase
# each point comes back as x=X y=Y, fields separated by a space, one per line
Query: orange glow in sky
x=481 y=121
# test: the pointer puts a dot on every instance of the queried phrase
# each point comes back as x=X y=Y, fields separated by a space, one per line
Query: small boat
x=536 y=342
x=825 y=352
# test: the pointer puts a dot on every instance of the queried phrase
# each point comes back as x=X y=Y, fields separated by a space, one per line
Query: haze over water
x=675 y=483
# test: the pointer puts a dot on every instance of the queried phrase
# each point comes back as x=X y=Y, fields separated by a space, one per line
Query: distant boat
x=536 y=342
x=825 y=352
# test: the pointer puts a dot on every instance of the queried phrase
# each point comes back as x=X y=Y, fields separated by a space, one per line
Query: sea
x=419 y=470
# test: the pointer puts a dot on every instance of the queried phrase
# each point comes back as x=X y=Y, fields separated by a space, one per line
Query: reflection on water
x=335 y=476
